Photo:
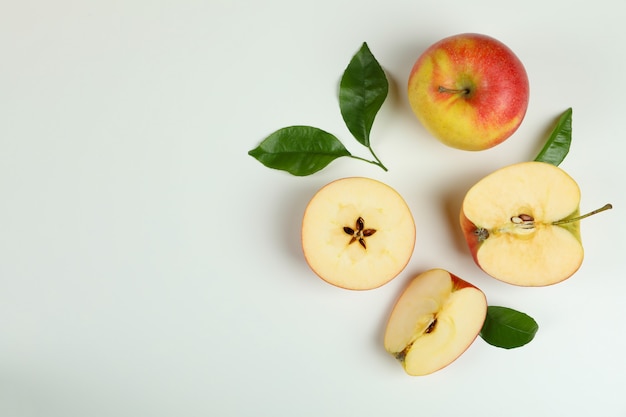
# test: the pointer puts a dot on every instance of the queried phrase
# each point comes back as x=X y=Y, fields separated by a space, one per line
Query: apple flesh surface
x=508 y=220
x=434 y=321
x=470 y=91
x=357 y=233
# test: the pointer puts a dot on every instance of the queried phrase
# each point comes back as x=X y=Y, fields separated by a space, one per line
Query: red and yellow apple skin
x=435 y=319
x=470 y=91
x=470 y=232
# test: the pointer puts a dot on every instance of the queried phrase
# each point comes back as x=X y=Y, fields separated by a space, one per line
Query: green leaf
x=557 y=146
x=362 y=91
x=299 y=150
x=508 y=328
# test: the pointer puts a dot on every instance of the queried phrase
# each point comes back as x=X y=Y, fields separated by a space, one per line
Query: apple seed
x=360 y=233
x=431 y=326
x=525 y=221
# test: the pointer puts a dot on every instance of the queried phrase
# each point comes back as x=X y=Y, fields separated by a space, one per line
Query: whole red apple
x=470 y=91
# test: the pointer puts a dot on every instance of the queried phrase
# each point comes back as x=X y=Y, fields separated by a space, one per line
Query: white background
x=150 y=267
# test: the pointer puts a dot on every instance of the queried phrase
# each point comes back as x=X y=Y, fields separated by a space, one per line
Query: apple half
x=357 y=233
x=435 y=320
x=522 y=224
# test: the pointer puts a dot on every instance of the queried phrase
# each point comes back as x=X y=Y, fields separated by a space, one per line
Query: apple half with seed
x=522 y=224
x=357 y=233
x=435 y=320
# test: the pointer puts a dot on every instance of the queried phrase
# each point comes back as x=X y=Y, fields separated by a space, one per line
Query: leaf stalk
x=376 y=162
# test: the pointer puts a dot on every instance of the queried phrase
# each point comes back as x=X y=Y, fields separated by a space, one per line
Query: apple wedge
x=522 y=224
x=435 y=320
x=357 y=233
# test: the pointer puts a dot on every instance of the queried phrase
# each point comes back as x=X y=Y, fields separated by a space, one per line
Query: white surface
x=150 y=267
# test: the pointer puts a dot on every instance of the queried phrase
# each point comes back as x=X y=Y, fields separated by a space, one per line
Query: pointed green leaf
x=557 y=146
x=362 y=91
x=508 y=328
x=299 y=150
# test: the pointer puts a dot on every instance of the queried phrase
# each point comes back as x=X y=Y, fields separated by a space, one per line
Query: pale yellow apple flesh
x=357 y=233
x=434 y=321
x=514 y=213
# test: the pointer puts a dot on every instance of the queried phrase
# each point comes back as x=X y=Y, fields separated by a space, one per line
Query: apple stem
x=591 y=213
x=464 y=91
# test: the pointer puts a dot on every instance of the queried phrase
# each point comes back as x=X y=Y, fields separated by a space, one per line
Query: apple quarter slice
x=357 y=233
x=434 y=321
